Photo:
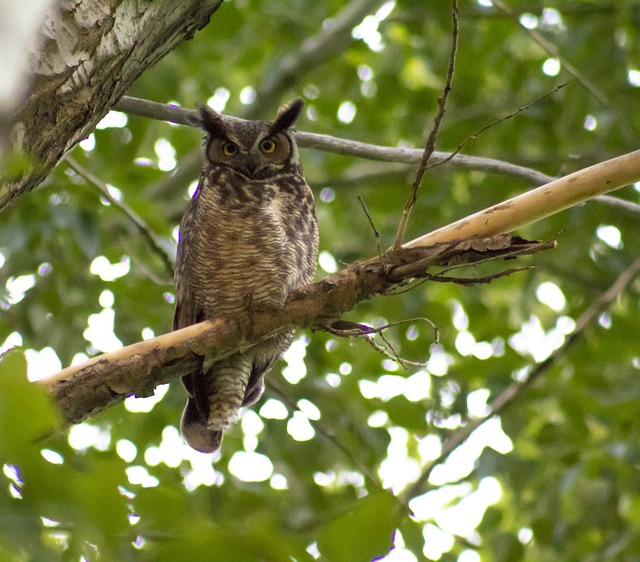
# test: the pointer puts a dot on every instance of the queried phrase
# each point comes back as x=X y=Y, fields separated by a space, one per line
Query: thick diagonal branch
x=100 y=382
x=85 y=389
x=541 y=202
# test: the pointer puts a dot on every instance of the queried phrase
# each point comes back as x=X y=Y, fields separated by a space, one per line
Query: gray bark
x=91 y=53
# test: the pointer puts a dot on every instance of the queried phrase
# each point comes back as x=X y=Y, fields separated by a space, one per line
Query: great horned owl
x=248 y=238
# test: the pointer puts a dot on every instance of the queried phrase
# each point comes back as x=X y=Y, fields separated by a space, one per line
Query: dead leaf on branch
x=409 y=263
x=347 y=329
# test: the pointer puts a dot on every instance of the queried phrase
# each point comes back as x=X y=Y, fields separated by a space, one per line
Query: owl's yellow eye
x=229 y=148
x=268 y=146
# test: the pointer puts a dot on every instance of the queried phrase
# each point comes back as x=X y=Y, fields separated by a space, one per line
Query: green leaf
x=507 y=548
x=27 y=413
x=364 y=532
x=12 y=556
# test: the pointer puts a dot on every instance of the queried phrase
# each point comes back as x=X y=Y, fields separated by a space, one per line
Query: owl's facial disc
x=269 y=153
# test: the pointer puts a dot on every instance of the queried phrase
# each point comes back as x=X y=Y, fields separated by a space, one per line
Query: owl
x=248 y=238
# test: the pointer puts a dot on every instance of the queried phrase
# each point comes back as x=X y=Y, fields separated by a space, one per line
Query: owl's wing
x=186 y=314
x=187 y=310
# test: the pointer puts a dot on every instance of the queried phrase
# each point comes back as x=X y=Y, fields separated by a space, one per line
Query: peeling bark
x=91 y=54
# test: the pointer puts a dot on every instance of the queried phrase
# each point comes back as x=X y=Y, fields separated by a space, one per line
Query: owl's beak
x=252 y=165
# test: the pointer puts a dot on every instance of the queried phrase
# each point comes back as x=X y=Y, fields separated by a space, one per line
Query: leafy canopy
x=323 y=466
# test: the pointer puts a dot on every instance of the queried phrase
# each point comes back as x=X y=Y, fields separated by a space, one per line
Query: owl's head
x=255 y=149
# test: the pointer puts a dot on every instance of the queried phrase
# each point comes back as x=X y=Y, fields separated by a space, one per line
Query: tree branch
x=76 y=87
x=413 y=155
x=330 y=435
x=336 y=145
x=83 y=390
x=332 y=39
x=102 y=381
x=555 y=52
x=541 y=202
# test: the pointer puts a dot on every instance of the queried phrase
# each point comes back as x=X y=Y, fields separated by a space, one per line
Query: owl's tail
x=195 y=431
x=218 y=390
x=216 y=394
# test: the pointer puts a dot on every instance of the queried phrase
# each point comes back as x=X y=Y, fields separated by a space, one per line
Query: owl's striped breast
x=256 y=242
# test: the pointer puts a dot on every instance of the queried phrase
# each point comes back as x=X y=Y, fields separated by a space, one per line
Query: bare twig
x=618 y=203
x=433 y=134
x=516 y=389
x=375 y=230
x=141 y=265
x=393 y=354
x=473 y=136
x=474 y=254
x=346 y=329
x=554 y=52
x=149 y=235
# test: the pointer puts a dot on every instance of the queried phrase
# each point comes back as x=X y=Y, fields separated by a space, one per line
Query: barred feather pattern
x=245 y=244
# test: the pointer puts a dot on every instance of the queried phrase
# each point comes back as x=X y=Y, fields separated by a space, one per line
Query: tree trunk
x=91 y=54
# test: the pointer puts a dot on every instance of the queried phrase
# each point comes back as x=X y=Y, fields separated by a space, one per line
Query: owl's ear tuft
x=209 y=120
x=287 y=115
